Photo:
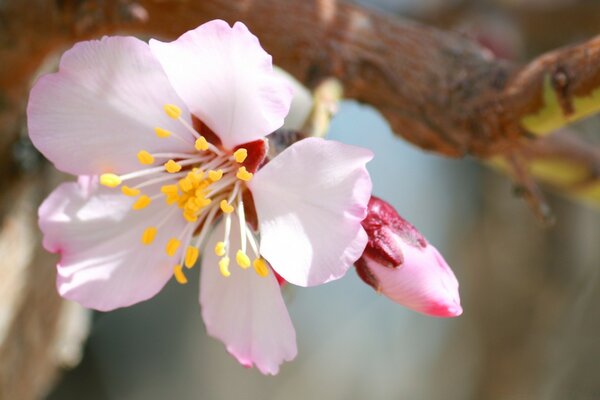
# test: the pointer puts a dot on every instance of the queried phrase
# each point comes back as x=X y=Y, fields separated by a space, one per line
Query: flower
x=402 y=265
x=169 y=142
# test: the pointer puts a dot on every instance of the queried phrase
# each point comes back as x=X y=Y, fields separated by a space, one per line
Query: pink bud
x=402 y=265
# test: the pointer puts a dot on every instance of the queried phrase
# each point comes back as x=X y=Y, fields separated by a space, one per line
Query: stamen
x=215 y=175
x=242 y=259
x=242 y=221
x=179 y=275
x=142 y=202
x=110 y=180
x=240 y=155
x=169 y=189
x=261 y=268
x=191 y=256
x=162 y=133
x=201 y=144
x=172 y=111
x=252 y=241
x=145 y=158
x=224 y=267
x=172 y=167
x=226 y=207
x=172 y=246
x=243 y=174
x=149 y=235
x=220 y=249
x=127 y=191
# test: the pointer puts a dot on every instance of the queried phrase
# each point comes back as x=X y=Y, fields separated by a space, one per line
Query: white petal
x=100 y=109
x=226 y=80
x=310 y=201
x=103 y=263
x=245 y=311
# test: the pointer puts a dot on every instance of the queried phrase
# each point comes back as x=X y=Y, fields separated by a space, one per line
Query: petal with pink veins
x=310 y=201
x=227 y=80
x=100 y=109
x=245 y=311
x=103 y=263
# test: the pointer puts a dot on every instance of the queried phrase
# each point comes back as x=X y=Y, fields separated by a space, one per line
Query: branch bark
x=437 y=89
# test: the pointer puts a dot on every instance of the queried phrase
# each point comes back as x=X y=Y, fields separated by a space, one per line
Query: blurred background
x=530 y=328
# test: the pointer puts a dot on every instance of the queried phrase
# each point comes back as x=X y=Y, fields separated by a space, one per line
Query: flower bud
x=402 y=265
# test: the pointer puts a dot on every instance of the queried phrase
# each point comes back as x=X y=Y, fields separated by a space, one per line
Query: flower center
x=201 y=185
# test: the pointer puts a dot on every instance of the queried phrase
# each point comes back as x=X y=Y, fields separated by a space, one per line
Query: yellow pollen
x=172 y=167
x=226 y=207
x=172 y=246
x=186 y=184
x=110 y=180
x=127 y=191
x=201 y=144
x=215 y=175
x=169 y=189
x=149 y=235
x=220 y=249
x=162 y=133
x=202 y=202
x=260 y=266
x=142 y=202
x=191 y=256
x=240 y=155
x=224 y=266
x=242 y=259
x=179 y=275
x=145 y=158
x=172 y=111
x=190 y=217
x=243 y=174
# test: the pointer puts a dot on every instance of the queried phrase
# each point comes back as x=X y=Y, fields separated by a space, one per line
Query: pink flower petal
x=100 y=109
x=310 y=201
x=226 y=80
x=103 y=263
x=423 y=282
x=245 y=311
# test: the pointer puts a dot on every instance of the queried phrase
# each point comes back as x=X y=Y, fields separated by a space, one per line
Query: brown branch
x=437 y=89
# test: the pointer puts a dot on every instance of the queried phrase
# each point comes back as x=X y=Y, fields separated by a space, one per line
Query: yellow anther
x=172 y=111
x=224 y=266
x=110 y=180
x=172 y=246
x=179 y=275
x=172 y=167
x=220 y=249
x=194 y=178
x=162 y=133
x=172 y=199
x=127 y=191
x=191 y=256
x=260 y=266
x=242 y=259
x=142 y=202
x=243 y=174
x=215 y=175
x=240 y=155
x=186 y=184
x=201 y=144
x=169 y=189
x=149 y=235
x=190 y=217
x=226 y=207
x=202 y=202
x=145 y=158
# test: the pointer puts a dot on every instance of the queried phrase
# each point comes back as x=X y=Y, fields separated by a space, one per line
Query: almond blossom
x=169 y=143
x=400 y=263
